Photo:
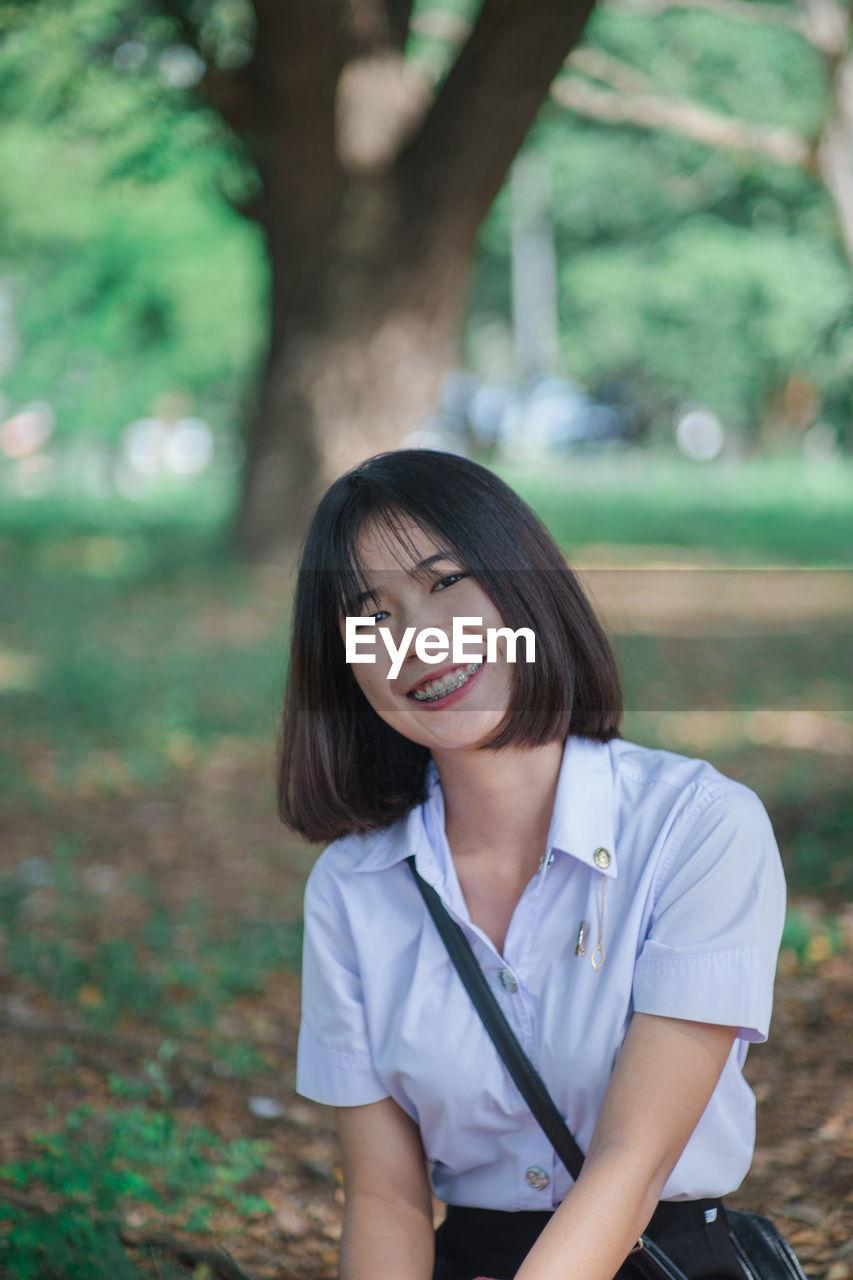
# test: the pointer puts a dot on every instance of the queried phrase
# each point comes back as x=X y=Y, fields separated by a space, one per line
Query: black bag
x=761 y=1249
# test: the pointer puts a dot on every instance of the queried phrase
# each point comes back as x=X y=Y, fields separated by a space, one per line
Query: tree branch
x=833 y=156
x=687 y=119
x=613 y=71
x=452 y=169
x=441 y=26
x=830 y=24
x=231 y=94
x=741 y=10
x=822 y=22
x=301 y=48
x=399 y=19
x=379 y=24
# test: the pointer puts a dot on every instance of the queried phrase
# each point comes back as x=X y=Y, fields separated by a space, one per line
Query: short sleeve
x=710 y=951
x=333 y=1061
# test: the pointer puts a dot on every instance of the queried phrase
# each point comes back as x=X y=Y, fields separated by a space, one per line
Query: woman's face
x=442 y=705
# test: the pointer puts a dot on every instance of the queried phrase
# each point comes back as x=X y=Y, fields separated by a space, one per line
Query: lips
x=438 y=675
x=433 y=688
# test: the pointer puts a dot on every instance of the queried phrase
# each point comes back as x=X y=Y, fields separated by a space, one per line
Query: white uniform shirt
x=693 y=914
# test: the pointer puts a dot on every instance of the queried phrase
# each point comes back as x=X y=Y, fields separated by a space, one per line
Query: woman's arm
x=662 y=1082
x=388 y=1232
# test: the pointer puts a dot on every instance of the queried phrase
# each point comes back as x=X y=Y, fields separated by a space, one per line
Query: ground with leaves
x=158 y=1100
x=150 y=900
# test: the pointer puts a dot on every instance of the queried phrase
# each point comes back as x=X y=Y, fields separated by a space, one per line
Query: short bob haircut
x=342 y=769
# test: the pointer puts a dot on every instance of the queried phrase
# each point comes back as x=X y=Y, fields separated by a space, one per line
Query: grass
x=130 y=674
x=95 y=1164
x=785 y=510
x=136 y=1157
x=173 y=971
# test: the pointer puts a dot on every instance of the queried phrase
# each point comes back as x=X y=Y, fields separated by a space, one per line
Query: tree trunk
x=373 y=193
x=335 y=395
x=355 y=359
x=835 y=150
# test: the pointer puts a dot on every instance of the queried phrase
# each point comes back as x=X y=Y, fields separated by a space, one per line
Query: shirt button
x=536 y=1177
x=602 y=859
x=508 y=981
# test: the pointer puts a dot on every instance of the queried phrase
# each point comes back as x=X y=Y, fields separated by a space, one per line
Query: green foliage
x=713 y=312
x=812 y=937
x=703 y=274
x=128 y=273
x=706 y=275
x=62 y=1246
x=97 y=1162
x=767 y=74
x=428 y=50
x=115 y=538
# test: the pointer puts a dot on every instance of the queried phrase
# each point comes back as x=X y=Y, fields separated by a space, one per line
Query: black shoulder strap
x=525 y=1075
x=649 y=1259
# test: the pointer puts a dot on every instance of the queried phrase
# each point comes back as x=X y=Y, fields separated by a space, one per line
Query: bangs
x=393 y=528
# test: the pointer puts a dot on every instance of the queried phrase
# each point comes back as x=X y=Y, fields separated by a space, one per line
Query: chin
x=462 y=737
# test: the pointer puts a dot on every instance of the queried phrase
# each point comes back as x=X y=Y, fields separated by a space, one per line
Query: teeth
x=446 y=684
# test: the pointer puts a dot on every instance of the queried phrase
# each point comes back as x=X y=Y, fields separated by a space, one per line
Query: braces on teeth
x=453 y=683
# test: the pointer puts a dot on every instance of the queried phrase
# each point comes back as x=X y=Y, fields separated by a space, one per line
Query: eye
x=443 y=583
x=364 y=610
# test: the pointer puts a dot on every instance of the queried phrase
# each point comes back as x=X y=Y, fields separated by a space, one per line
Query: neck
x=499 y=800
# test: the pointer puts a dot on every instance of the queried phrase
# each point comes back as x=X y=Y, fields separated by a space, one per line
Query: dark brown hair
x=342 y=769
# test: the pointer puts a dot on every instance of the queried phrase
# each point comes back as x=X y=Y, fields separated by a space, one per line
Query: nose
x=426 y=615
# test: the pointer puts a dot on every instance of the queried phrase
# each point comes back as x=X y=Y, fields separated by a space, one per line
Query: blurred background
x=605 y=249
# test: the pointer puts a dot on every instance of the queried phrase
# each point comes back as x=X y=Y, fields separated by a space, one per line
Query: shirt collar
x=581 y=825
x=406 y=836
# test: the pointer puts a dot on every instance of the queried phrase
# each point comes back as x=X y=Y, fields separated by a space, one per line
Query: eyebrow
x=420 y=567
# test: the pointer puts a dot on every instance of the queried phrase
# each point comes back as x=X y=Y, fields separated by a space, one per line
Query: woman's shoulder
x=670 y=774
x=685 y=800
x=349 y=856
x=695 y=816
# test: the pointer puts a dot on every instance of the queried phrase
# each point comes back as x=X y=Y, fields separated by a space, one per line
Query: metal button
x=545 y=861
x=508 y=981
x=536 y=1177
x=602 y=859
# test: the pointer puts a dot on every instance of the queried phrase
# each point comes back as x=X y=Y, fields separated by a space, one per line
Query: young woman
x=625 y=904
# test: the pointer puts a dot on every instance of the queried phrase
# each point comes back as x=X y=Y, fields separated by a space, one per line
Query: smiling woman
x=625 y=905
x=444 y=538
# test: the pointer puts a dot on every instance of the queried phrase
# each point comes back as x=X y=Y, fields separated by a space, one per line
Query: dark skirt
x=490 y=1242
